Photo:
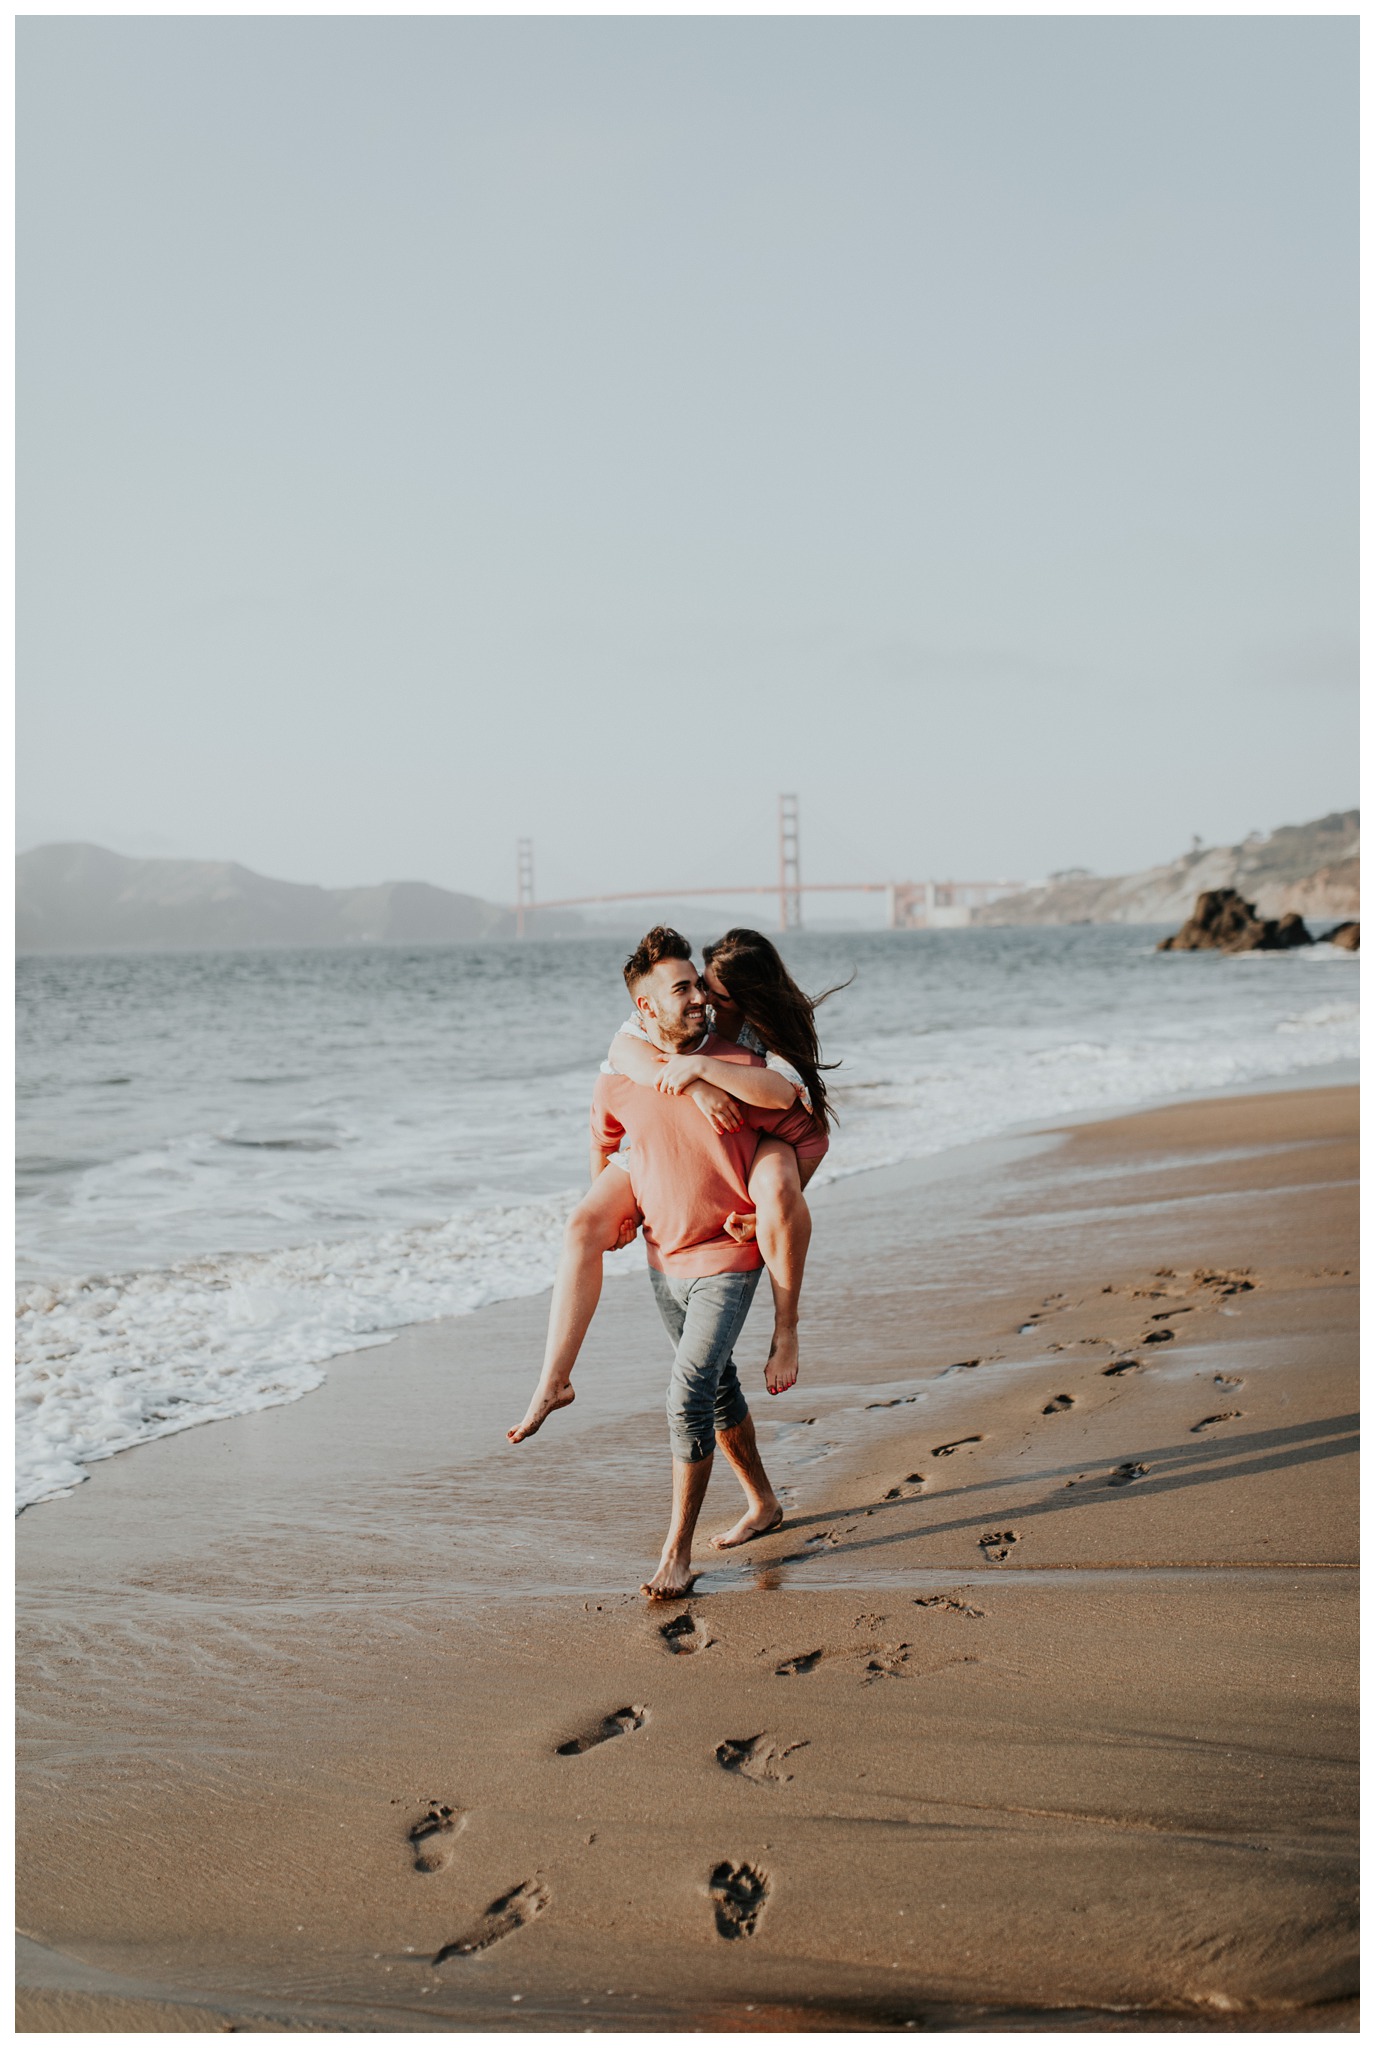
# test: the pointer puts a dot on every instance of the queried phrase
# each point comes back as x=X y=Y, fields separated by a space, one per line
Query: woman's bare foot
x=674 y=1579
x=780 y=1372
x=757 y=1522
x=543 y=1404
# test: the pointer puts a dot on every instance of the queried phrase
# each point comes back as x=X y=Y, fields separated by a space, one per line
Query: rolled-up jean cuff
x=703 y=1316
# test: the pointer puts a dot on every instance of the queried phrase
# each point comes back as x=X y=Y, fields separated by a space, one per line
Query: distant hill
x=1314 y=869
x=77 y=899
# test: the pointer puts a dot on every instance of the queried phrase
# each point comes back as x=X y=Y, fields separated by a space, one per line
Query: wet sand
x=1038 y=1712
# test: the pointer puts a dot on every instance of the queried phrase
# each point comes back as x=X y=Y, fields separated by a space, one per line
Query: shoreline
x=290 y=1632
x=1328 y=1074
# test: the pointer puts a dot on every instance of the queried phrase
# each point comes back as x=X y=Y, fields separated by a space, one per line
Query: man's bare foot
x=545 y=1401
x=741 y=1228
x=757 y=1522
x=674 y=1579
x=780 y=1372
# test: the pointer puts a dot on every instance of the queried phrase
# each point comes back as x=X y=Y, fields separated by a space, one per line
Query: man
x=688 y=1177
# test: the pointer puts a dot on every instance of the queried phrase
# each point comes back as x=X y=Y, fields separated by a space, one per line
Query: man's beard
x=685 y=1032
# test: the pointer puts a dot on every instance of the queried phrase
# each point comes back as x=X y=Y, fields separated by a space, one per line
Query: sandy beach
x=1039 y=1711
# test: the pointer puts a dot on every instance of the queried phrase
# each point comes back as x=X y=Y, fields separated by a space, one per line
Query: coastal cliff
x=1313 y=869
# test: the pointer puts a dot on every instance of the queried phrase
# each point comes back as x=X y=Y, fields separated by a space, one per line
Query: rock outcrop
x=1347 y=936
x=1224 y=922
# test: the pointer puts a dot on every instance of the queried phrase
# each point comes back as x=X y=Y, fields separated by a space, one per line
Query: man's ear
x=645 y=1003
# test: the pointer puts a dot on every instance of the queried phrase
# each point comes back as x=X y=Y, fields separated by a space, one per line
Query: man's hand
x=721 y=1111
x=678 y=1073
x=628 y=1231
x=741 y=1228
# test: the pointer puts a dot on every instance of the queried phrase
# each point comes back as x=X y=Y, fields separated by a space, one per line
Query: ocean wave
x=110 y=1361
x=927 y=1109
x=1321 y=1017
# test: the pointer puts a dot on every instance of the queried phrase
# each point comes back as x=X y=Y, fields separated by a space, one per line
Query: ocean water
x=235 y=1166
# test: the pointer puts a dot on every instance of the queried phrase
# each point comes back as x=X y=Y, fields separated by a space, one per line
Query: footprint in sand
x=944 y=1450
x=823 y=1540
x=624 y=1721
x=513 y=1910
x=1227 y=1379
x=756 y=1758
x=1222 y=1282
x=1052 y=1305
x=431 y=1838
x=1058 y=1405
x=996 y=1545
x=1111 y=1372
x=906 y=1488
x=793 y=1667
x=1158 y=1337
x=739 y=1892
x=1228 y=1415
x=888 y=1663
x=685 y=1635
x=1123 y=1475
x=898 y=1401
x=965 y=1365
x=947 y=1603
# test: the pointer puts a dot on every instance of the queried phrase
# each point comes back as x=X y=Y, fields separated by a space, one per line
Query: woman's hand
x=721 y=1111
x=679 y=1071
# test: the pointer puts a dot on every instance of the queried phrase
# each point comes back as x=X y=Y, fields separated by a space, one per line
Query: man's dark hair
x=663 y=943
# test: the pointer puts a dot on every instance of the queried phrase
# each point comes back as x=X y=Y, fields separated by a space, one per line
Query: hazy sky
x=435 y=430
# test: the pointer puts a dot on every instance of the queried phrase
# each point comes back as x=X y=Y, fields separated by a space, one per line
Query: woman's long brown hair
x=752 y=972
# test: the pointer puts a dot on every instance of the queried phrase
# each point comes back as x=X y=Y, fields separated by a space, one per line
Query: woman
x=757 y=1004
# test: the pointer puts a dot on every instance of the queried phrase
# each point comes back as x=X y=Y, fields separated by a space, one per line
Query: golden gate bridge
x=911 y=906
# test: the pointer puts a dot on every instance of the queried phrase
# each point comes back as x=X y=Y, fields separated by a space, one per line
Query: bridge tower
x=525 y=882
x=789 y=867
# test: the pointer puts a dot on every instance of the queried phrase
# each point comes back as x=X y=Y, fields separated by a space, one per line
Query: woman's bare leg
x=783 y=1231
x=604 y=1219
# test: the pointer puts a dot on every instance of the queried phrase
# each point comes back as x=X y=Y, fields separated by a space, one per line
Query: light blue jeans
x=703 y=1317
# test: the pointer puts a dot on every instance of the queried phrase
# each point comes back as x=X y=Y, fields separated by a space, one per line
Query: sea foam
x=110 y=1361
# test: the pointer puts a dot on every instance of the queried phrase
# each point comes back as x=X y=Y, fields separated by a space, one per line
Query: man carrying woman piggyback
x=708 y=1119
